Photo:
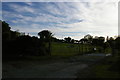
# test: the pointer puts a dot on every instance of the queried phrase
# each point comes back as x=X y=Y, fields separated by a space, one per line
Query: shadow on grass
x=107 y=68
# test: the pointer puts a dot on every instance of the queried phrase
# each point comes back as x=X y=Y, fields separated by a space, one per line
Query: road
x=65 y=68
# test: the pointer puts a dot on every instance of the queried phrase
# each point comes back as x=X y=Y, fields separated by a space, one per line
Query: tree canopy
x=45 y=35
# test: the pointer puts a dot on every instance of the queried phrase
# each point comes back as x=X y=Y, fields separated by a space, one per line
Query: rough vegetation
x=18 y=44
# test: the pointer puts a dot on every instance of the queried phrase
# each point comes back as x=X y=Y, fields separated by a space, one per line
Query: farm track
x=64 y=68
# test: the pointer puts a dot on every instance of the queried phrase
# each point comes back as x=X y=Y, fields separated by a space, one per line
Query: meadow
x=70 y=49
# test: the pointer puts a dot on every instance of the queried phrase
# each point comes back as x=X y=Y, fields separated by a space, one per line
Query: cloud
x=0 y=11
x=74 y=19
x=98 y=19
x=60 y=0
x=29 y=3
x=22 y=9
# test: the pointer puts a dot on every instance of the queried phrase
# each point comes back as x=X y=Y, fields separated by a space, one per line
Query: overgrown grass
x=108 y=68
x=102 y=71
x=66 y=49
x=69 y=49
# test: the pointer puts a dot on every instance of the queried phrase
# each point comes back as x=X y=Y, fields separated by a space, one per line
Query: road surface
x=66 y=68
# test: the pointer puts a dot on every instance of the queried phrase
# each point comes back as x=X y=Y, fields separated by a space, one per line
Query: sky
x=63 y=19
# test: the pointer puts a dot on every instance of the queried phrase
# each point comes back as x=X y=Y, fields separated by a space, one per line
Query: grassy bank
x=107 y=68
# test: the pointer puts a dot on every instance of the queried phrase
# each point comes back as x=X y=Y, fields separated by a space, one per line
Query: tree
x=94 y=42
x=14 y=35
x=101 y=41
x=72 y=41
x=112 y=44
x=117 y=42
x=5 y=31
x=8 y=34
x=98 y=41
x=117 y=46
x=89 y=38
x=110 y=40
x=68 y=39
x=83 y=40
x=107 y=38
x=45 y=36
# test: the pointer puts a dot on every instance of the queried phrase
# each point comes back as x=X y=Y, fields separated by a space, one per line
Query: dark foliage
x=16 y=44
x=68 y=40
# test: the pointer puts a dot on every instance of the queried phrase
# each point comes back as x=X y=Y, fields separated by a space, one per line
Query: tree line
x=15 y=43
x=18 y=44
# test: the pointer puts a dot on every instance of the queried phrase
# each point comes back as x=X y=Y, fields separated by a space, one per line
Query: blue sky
x=63 y=19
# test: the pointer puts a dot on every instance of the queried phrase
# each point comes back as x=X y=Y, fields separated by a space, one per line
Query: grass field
x=64 y=49
x=107 y=68
x=69 y=49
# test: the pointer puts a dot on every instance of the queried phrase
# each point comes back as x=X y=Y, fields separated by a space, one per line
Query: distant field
x=69 y=49
x=64 y=49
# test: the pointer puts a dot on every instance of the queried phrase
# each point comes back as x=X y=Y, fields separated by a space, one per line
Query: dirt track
x=67 y=68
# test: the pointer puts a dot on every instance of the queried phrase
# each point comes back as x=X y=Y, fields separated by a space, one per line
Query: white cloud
x=21 y=9
x=60 y=0
x=99 y=18
x=29 y=3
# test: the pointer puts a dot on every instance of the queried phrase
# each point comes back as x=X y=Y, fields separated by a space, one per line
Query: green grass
x=108 y=68
x=67 y=49
x=64 y=49
x=102 y=71
x=108 y=50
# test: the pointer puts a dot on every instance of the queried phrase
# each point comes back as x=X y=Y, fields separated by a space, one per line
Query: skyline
x=64 y=19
